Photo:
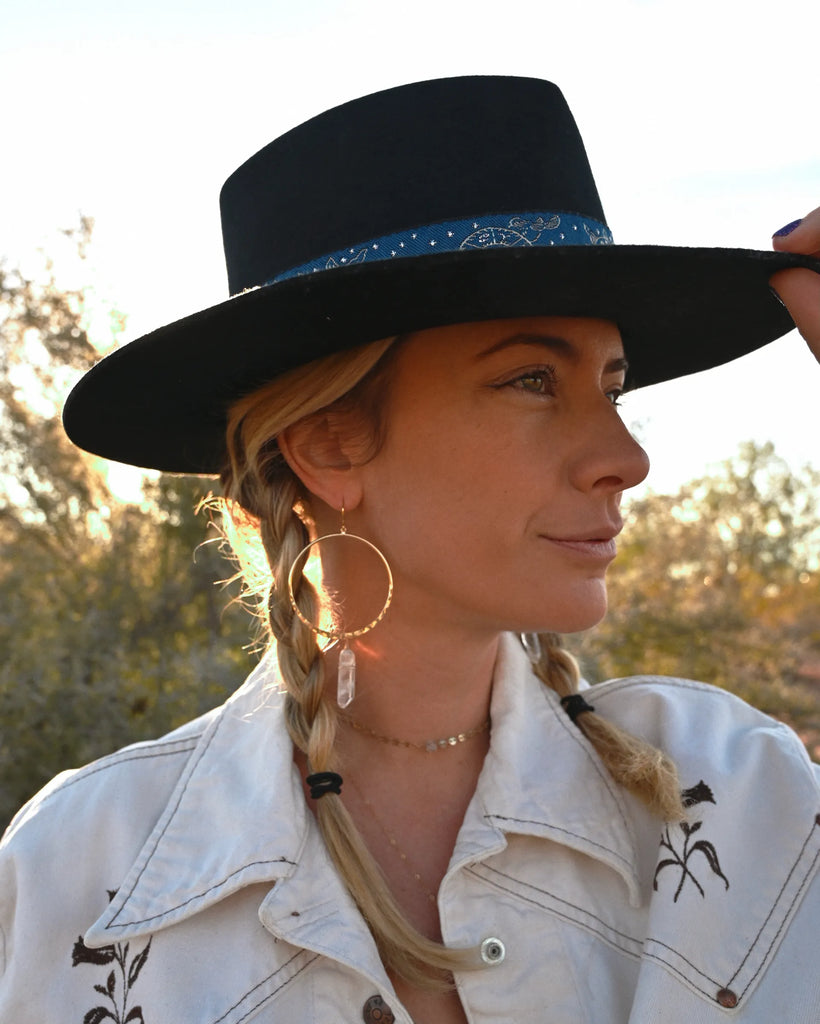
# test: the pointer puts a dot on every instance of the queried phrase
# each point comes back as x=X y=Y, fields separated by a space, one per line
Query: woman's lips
x=600 y=548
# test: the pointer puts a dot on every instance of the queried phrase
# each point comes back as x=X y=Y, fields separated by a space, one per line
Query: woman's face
x=496 y=494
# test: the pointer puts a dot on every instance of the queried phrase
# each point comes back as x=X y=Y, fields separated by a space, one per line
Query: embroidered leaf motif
x=81 y=954
x=680 y=858
x=98 y=1014
x=136 y=966
x=128 y=972
x=711 y=855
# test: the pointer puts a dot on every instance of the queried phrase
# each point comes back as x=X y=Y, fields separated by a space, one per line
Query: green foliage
x=45 y=346
x=113 y=626
x=720 y=583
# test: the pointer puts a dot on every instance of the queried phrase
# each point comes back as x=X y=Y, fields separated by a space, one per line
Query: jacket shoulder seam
x=109 y=761
x=121 y=757
x=603 y=689
x=144 y=754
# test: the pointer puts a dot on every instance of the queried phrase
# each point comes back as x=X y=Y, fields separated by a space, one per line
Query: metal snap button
x=492 y=950
x=376 y=1011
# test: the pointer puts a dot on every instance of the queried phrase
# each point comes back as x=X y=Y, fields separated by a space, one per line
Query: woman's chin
x=580 y=611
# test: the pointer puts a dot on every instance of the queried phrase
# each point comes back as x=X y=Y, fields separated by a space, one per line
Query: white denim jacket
x=184 y=881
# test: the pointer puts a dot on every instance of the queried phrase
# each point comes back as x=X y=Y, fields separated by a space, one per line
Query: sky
x=700 y=121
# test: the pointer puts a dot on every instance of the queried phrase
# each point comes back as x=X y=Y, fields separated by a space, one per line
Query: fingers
x=800 y=235
x=800 y=289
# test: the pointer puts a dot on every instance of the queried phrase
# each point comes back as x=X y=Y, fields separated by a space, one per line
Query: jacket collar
x=237 y=816
x=543 y=778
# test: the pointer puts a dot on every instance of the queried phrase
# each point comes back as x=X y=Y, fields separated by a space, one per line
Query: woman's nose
x=608 y=459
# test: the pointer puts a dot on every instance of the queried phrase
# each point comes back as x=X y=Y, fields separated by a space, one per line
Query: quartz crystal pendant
x=346 y=682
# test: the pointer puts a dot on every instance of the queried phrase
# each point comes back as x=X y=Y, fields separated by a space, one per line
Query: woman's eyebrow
x=553 y=343
x=619 y=365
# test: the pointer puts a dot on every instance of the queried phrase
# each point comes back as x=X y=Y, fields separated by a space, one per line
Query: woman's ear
x=314 y=449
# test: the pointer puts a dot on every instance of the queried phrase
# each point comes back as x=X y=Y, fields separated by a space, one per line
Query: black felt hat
x=442 y=202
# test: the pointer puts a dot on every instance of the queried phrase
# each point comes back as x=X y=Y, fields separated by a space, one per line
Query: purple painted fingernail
x=787 y=230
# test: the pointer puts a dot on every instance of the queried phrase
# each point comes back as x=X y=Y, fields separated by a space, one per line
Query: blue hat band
x=506 y=231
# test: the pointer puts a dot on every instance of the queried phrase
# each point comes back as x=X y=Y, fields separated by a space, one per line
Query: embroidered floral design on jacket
x=680 y=858
x=119 y=983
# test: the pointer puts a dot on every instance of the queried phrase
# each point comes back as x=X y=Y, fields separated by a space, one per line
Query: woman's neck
x=420 y=686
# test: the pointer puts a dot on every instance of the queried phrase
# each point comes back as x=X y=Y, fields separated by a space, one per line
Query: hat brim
x=161 y=401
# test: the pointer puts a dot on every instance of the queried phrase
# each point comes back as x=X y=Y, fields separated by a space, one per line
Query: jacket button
x=376 y=1011
x=726 y=997
x=492 y=950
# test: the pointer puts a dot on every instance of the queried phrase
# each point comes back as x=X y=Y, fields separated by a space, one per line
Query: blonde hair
x=265 y=503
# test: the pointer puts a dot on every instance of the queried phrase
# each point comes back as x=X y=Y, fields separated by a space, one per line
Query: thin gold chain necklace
x=429 y=746
x=390 y=836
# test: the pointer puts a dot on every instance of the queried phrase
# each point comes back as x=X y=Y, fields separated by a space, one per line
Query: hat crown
x=418 y=154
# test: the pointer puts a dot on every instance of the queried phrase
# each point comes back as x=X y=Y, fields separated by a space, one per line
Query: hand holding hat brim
x=800 y=289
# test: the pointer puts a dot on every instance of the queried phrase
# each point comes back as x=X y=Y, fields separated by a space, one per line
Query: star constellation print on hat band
x=485 y=232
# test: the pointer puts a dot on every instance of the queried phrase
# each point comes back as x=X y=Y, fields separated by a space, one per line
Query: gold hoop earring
x=346 y=680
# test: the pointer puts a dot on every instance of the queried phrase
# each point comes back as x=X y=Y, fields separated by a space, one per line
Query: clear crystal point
x=346 y=680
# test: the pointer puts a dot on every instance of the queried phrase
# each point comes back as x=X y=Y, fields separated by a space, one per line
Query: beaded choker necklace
x=429 y=747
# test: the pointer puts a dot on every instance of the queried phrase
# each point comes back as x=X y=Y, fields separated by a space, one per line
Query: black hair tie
x=324 y=782
x=575 y=705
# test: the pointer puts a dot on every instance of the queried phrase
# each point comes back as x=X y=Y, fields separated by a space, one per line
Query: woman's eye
x=615 y=396
x=535 y=382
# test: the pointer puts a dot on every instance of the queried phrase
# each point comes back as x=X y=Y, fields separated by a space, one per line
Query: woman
x=433 y=824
